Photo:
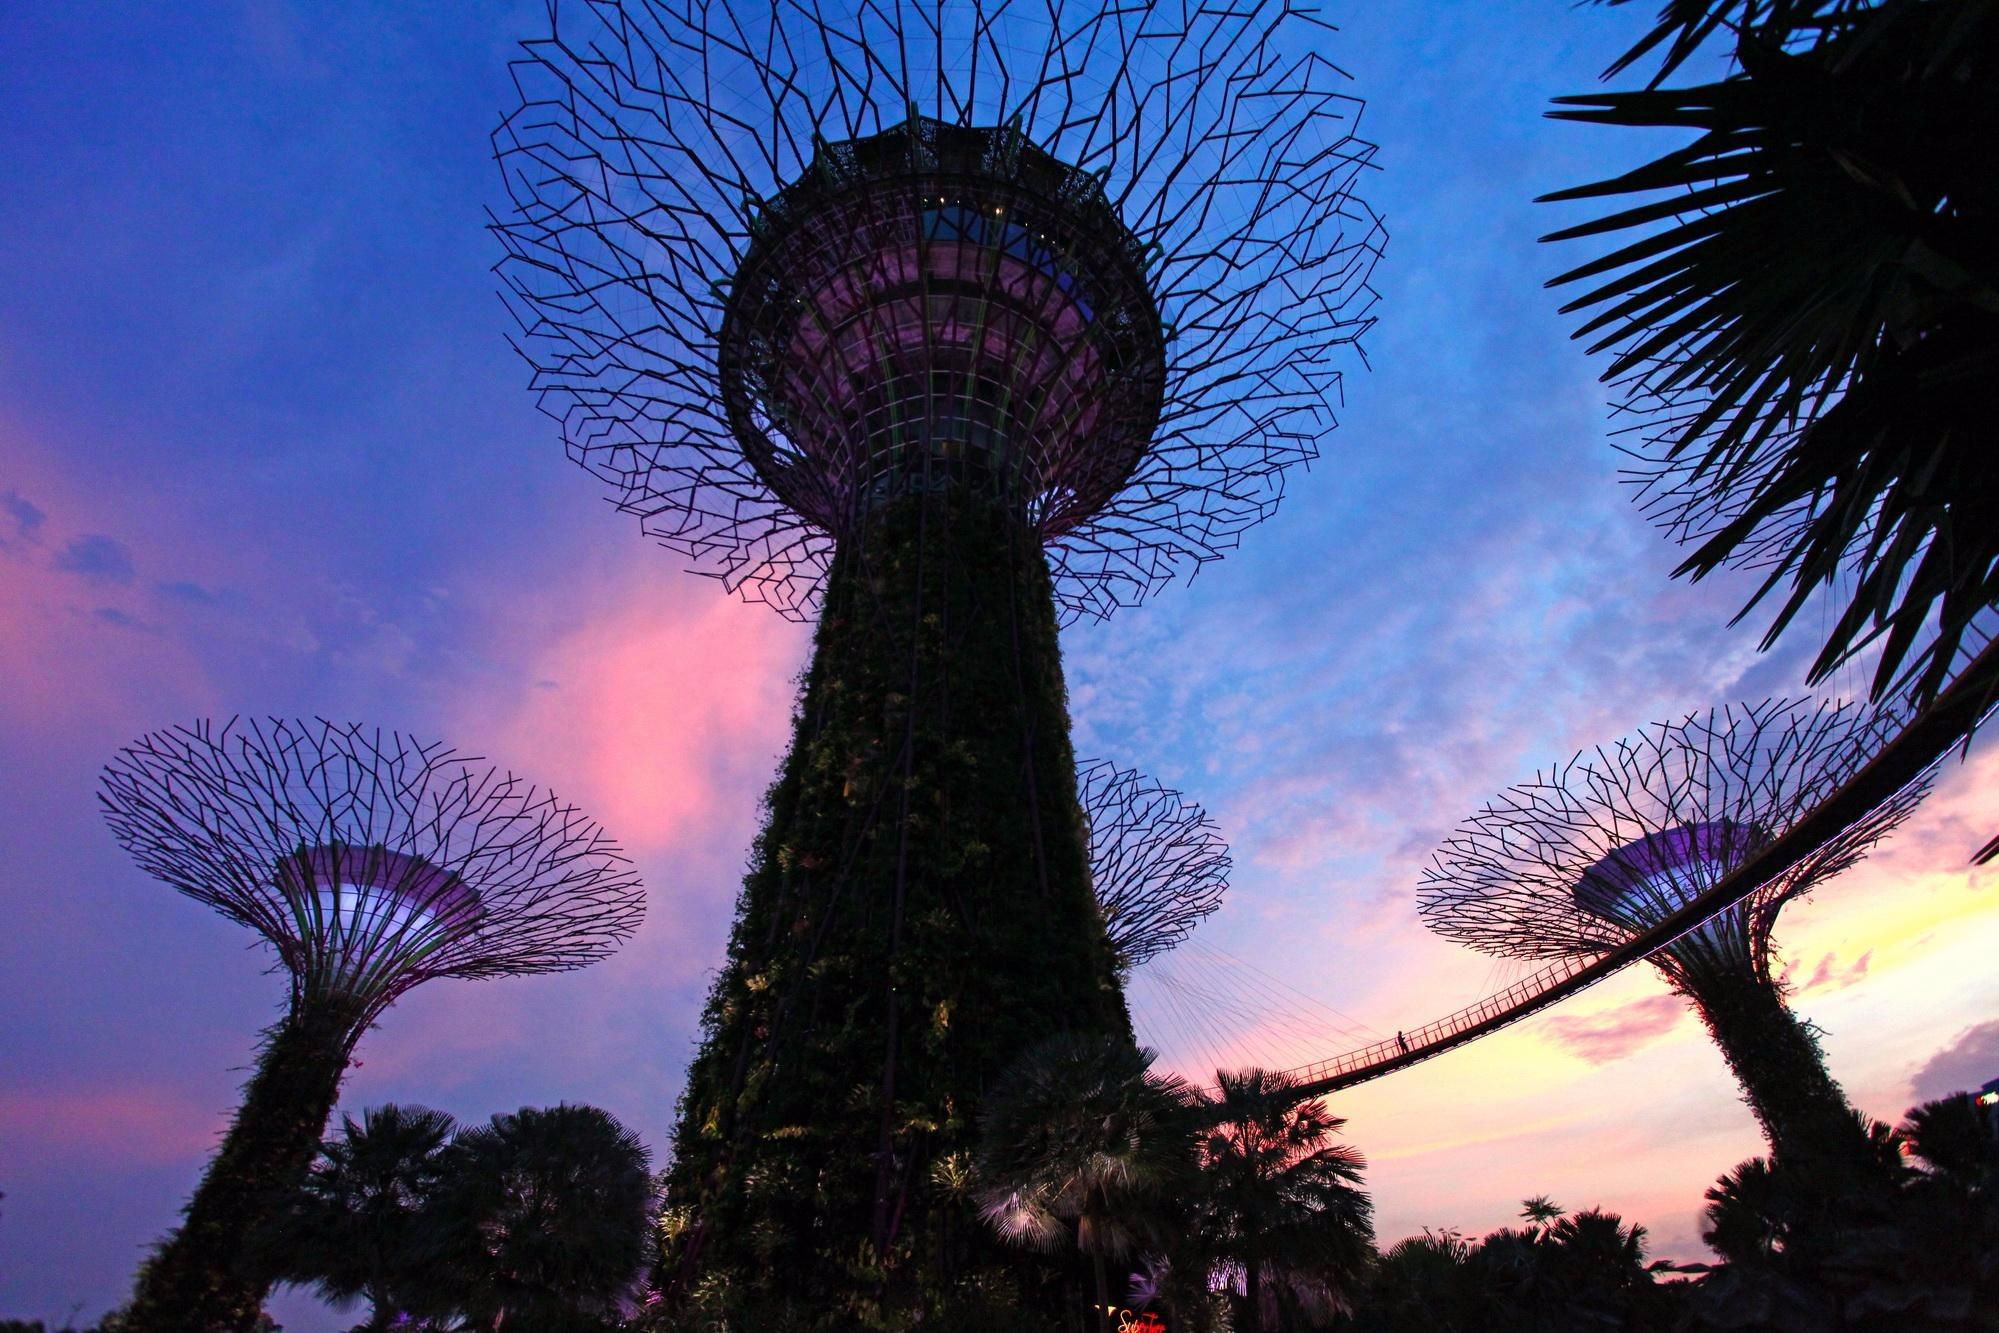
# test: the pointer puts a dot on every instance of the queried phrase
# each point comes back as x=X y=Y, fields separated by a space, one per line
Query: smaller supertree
x=1582 y=859
x=1157 y=862
x=370 y=862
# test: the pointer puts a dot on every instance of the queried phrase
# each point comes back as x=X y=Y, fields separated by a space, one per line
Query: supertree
x=1592 y=853
x=947 y=320
x=1158 y=864
x=370 y=862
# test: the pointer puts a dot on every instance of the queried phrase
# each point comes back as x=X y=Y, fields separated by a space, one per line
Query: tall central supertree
x=1589 y=855
x=946 y=320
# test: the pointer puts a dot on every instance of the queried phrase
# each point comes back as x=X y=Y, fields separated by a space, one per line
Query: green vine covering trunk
x=198 y=1281
x=917 y=912
x=1782 y=1072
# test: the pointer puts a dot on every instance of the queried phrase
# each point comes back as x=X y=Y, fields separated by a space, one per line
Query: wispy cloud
x=188 y=593
x=98 y=558
x=118 y=1123
x=1828 y=974
x=1601 y=1038
x=24 y=515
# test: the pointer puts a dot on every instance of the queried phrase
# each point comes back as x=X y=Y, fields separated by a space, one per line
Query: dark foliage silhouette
x=1803 y=308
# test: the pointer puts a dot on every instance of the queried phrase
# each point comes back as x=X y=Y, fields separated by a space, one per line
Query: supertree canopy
x=949 y=321
x=1593 y=853
x=370 y=862
x=1158 y=864
x=775 y=264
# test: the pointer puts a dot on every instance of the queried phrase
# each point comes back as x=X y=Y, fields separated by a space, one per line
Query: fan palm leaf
x=1283 y=1209
x=1083 y=1140
x=1802 y=313
x=549 y=1211
x=359 y=1227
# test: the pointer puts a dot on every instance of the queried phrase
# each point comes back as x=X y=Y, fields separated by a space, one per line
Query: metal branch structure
x=1158 y=864
x=944 y=323
x=370 y=862
x=775 y=264
x=1580 y=860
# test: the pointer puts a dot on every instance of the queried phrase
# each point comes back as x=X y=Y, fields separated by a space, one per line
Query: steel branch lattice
x=1575 y=861
x=1157 y=862
x=656 y=167
x=1907 y=761
x=369 y=860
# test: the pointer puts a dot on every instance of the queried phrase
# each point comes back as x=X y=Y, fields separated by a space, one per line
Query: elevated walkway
x=1921 y=746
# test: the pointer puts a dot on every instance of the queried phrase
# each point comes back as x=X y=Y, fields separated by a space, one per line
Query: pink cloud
x=80 y=639
x=75 y=651
x=1615 y=1033
x=1827 y=974
x=660 y=715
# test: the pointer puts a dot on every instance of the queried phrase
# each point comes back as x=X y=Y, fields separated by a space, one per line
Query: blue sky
x=263 y=448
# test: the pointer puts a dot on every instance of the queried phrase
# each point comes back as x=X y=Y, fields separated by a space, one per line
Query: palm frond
x=1803 y=315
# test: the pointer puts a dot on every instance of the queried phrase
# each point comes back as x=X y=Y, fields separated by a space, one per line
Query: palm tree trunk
x=197 y=1282
x=1252 y=1281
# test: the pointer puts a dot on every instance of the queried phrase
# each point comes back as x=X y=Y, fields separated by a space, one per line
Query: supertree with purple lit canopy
x=945 y=321
x=370 y=862
x=1158 y=864
x=1587 y=856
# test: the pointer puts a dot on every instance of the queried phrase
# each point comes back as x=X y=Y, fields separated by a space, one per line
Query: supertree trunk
x=1805 y=1117
x=202 y=1279
x=918 y=907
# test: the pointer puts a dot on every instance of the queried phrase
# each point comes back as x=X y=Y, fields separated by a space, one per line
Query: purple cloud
x=111 y=615
x=97 y=558
x=191 y=594
x=1969 y=1062
x=26 y=515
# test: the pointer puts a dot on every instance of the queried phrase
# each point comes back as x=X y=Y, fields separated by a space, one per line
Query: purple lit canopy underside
x=1579 y=859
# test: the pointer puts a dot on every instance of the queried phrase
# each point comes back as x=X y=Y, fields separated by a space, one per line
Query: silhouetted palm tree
x=1804 y=311
x=361 y=1226
x=1281 y=1204
x=1541 y=1210
x=1599 y=1261
x=1423 y=1284
x=1957 y=1141
x=1915 y=1246
x=546 y=1214
x=1082 y=1145
x=1567 y=1271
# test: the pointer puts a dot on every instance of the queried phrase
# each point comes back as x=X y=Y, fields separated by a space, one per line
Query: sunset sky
x=264 y=449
